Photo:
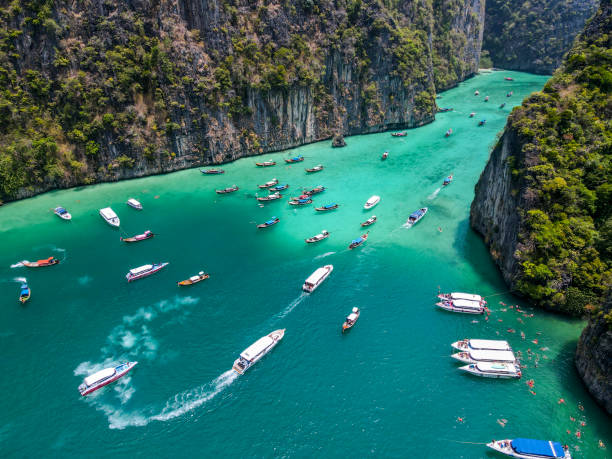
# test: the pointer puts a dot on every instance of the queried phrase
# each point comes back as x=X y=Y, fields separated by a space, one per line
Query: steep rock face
x=533 y=36
x=594 y=356
x=99 y=91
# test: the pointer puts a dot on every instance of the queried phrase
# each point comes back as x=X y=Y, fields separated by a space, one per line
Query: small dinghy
x=62 y=213
x=315 y=169
x=508 y=79
x=444 y=110
x=448 y=133
x=486 y=99
x=134 y=204
x=447 y=180
x=317 y=278
x=482 y=122
x=502 y=105
x=350 y=319
x=327 y=207
x=477 y=92
x=139 y=237
x=194 y=279
x=100 y=379
x=493 y=370
x=110 y=216
x=369 y=221
x=41 y=263
x=295 y=159
x=472 y=115
x=300 y=202
x=24 y=294
x=270 y=197
x=252 y=354
x=271 y=222
x=212 y=171
x=315 y=190
x=399 y=134
x=266 y=164
x=319 y=237
x=462 y=296
x=357 y=242
x=227 y=190
x=385 y=155
x=144 y=271
x=415 y=217
x=371 y=202
x=525 y=448
x=269 y=184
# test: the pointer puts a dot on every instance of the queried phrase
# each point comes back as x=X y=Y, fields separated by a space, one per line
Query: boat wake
x=291 y=307
x=323 y=255
x=18 y=265
x=20 y=279
x=434 y=194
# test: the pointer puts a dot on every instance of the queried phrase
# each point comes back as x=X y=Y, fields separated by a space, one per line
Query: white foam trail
x=20 y=279
x=291 y=306
x=434 y=194
x=323 y=255
x=17 y=265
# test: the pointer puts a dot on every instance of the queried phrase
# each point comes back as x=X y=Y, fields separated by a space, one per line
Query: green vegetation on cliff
x=565 y=132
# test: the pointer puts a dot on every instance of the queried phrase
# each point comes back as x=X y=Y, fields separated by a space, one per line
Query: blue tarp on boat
x=303 y=200
x=357 y=241
x=539 y=447
x=329 y=205
x=416 y=214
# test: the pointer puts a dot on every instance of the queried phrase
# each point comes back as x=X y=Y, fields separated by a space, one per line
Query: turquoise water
x=386 y=388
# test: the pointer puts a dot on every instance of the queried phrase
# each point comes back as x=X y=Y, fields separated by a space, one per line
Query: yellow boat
x=194 y=279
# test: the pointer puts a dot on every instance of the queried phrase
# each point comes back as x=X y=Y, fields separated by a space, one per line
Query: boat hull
x=312 y=288
x=481 y=374
x=110 y=380
x=460 y=310
x=276 y=336
x=508 y=451
x=191 y=282
x=146 y=274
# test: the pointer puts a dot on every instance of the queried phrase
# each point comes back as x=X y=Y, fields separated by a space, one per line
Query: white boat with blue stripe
x=527 y=448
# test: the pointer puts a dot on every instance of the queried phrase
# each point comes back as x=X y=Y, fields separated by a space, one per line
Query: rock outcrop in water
x=99 y=91
x=533 y=36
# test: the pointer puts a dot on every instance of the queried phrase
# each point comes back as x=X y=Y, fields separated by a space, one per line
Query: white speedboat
x=62 y=213
x=481 y=344
x=527 y=448
x=476 y=356
x=461 y=296
x=463 y=306
x=371 y=202
x=110 y=216
x=415 y=217
x=317 y=278
x=103 y=377
x=493 y=370
x=134 y=203
x=256 y=351
x=144 y=271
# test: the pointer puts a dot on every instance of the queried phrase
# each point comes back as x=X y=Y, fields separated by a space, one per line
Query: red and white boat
x=103 y=377
x=144 y=271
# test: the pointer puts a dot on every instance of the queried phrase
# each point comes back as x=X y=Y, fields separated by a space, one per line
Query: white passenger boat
x=481 y=355
x=371 y=202
x=144 y=271
x=110 y=216
x=134 y=203
x=317 y=278
x=481 y=344
x=103 y=377
x=461 y=296
x=527 y=448
x=256 y=351
x=62 y=213
x=463 y=306
x=493 y=370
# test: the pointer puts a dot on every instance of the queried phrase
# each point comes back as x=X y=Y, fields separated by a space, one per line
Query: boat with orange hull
x=40 y=263
x=268 y=184
x=350 y=320
x=194 y=279
x=295 y=159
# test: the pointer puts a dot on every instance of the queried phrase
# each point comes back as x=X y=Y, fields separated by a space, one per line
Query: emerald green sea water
x=387 y=388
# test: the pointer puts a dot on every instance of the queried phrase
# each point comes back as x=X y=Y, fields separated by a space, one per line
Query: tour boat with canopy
x=103 y=377
x=399 y=134
x=266 y=163
x=62 y=213
x=494 y=370
x=300 y=202
x=227 y=190
x=463 y=306
x=252 y=354
x=327 y=207
x=526 y=448
x=272 y=221
x=447 y=180
x=317 y=168
x=194 y=279
x=371 y=202
x=485 y=355
x=369 y=221
x=24 y=294
x=133 y=203
x=315 y=190
x=40 y=263
x=110 y=216
x=212 y=171
x=481 y=344
x=415 y=217
x=269 y=184
x=295 y=159
x=317 y=278
x=461 y=296
x=270 y=197
x=319 y=237
x=351 y=319
x=139 y=237
x=357 y=242
x=144 y=271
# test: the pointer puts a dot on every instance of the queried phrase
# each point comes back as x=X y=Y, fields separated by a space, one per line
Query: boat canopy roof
x=417 y=214
x=467 y=304
x=100 y=375
x=194 y=278
x=352 y=316
x=465 y=296
x=25 y=290
x=486 y=354
x=303 y=200
x=330 y=205
x=108 y=213
x=496 y=367
x=46 y=260
x=357 y=241
x=133 y=201
x=538 y=447
x=373 y=199
x=257 y=348
x=141 y=269
x=271 y=220
x=60 y=210
x=489 y=344
x=316 y=276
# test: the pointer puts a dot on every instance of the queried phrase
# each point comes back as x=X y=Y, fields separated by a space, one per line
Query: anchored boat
x=295 y=159
x=266 y=163
x=415 y=217
x=100 y=379
x=272 y=221
x=399 y=134
x=526 y=448
x=134 y=204
x=279 y=187
x=315 y=190
x=357 y=242
x=139 y=237
x=194 y=279
x=317 y=278
x=485 y=355
x=371 y=202
x=493 y=370
x=481 y=344
x=463 y=306
x=448 y=133
x=24 y=294
x=144 y=271
x=319 y=237
x=351 y=319
x=212 y=171
x=41 y=263
x=269 y=184
x=462 y=296
x=252 y=354
x=270 y=197
x=300 y=202
x=227 y=190
x=327 y=207
x=317 y=168
x=369 y=221
x=62 y=213
x=110 y=216
x=447 y=180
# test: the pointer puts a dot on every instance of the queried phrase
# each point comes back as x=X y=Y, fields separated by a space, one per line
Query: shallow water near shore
x=387 y=388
